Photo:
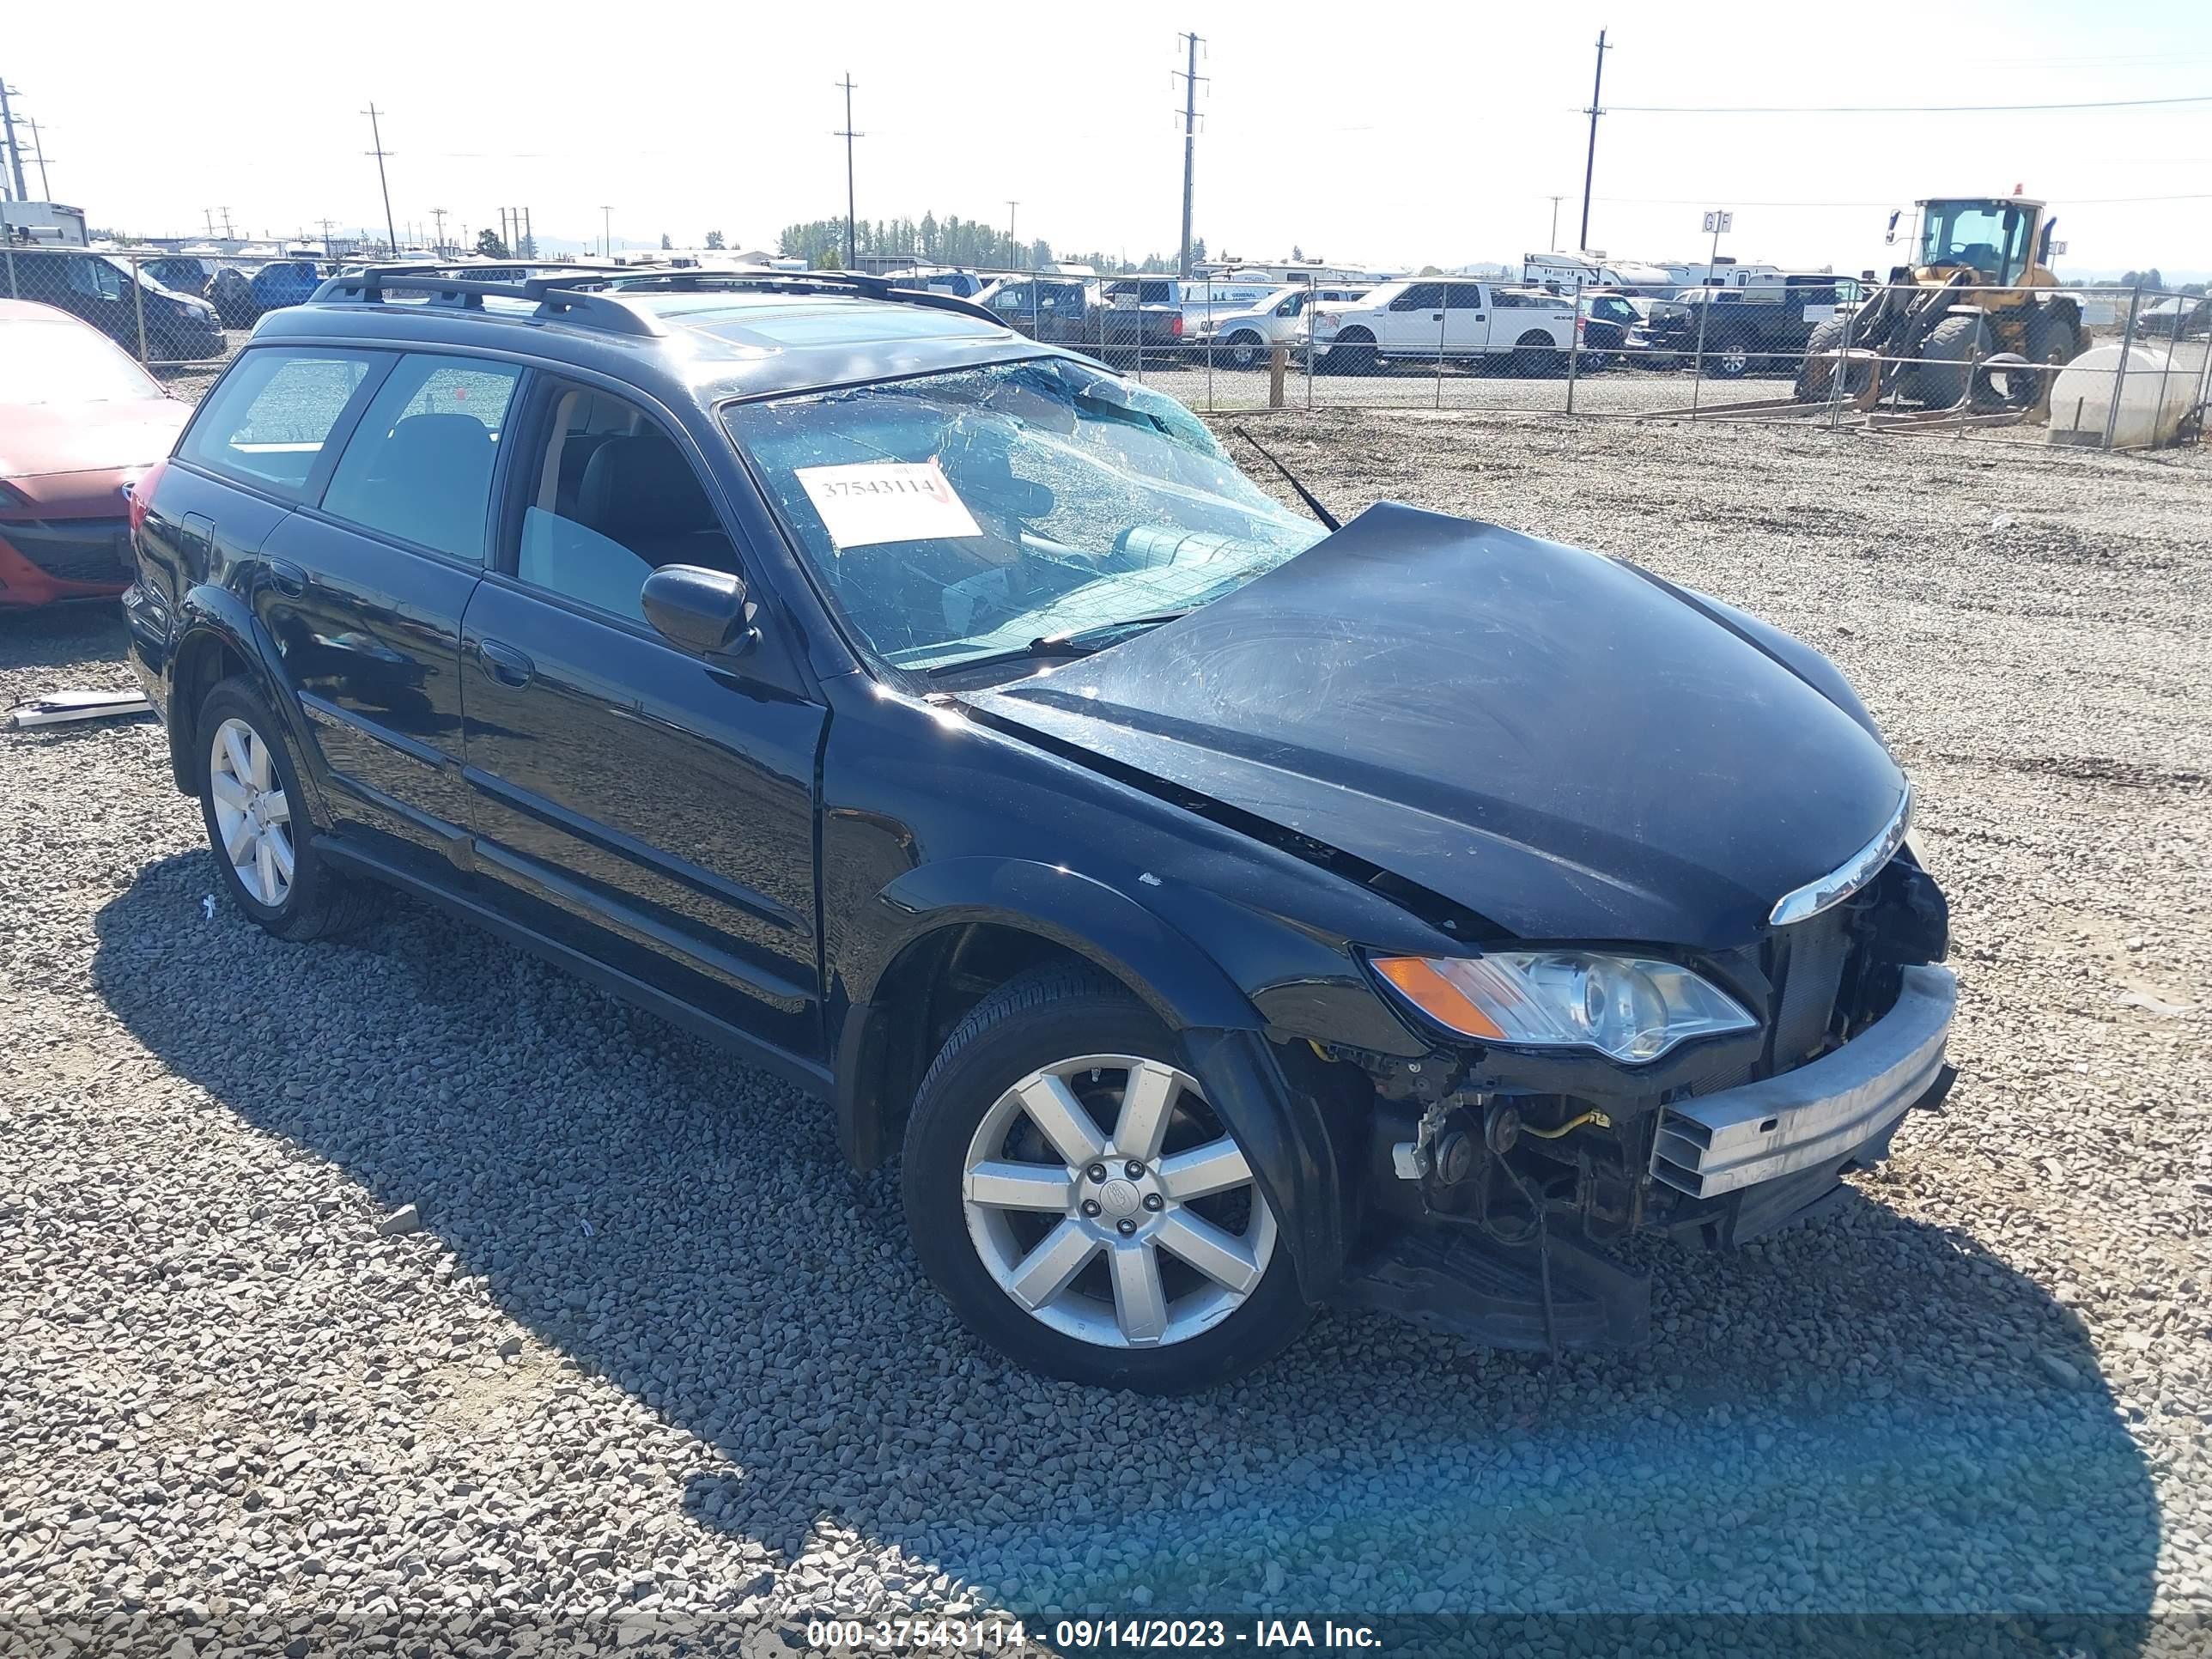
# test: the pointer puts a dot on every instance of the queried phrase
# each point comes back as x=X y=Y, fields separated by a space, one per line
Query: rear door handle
x=504 y=663
x=287 y=578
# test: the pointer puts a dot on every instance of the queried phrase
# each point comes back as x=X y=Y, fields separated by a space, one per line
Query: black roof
x=714 y=335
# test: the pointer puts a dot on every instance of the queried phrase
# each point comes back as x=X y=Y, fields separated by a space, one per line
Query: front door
x=650 y=808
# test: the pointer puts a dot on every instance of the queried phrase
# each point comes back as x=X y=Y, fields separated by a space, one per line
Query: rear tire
x=1055 y=1035
x=1535 y=354
x=257 y=825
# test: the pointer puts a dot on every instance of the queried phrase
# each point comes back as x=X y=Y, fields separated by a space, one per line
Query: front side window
x=95 y=279
x=961 y=515
x=419 y=465
x=267 y=420
x=613 y=498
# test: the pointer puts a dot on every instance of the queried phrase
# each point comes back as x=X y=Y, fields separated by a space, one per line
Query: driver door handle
x=504 y=663
x=287 y=578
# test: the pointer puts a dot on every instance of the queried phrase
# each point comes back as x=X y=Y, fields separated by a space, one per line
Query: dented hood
x=1544 y=735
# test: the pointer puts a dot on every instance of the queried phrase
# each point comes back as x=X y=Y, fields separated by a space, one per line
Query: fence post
x=138 y=304
x=1308 y=314
x=1697 y=369
x=1842 y=365
x=1575 y=343
x=1208 y=332
x=8 y=247
x=1279 y=363
x=1443 y=314
x=2120 y=374
x=2180 y=311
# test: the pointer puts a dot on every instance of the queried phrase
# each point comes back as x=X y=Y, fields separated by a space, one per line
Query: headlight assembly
x=1631 y=1009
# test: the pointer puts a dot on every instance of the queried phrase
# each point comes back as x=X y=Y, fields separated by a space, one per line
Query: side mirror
x=704 y=611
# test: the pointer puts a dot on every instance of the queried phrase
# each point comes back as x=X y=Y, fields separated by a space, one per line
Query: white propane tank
x=2155 y=394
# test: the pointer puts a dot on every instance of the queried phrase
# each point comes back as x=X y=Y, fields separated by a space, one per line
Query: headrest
x=641 y=486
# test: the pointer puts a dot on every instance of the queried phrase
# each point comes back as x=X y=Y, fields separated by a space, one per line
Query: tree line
x=950 y=240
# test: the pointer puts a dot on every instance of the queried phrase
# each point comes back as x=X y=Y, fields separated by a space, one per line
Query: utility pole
x=376 y=137
x=1589 y=164
x=209 y=212
x=229 y=235
x=1190 y=79
x=606 y=232
x=38 y=150
x=848 y=135
x=1554 y=245
x=526 y=245
x=439 y=214
x=325 y=224
x=15 y=151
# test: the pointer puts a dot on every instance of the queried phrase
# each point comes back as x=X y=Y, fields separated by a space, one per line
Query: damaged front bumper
x=1718 y=1170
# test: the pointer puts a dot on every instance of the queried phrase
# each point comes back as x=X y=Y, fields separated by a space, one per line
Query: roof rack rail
x=682 y=279
x=463 y=287
x=583 y=292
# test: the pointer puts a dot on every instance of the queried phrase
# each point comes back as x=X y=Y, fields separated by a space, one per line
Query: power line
x=1898 y=109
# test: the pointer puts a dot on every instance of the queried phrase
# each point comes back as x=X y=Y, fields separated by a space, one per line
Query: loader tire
x=1951 y=361
x=1815 y=373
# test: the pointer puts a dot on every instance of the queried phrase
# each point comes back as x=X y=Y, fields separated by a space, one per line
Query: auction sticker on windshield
x=886 y=501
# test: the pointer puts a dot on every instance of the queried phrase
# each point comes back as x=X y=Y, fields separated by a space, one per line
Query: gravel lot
x=651 y=1363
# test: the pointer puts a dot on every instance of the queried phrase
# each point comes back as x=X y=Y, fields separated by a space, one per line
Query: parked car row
x=130 y=305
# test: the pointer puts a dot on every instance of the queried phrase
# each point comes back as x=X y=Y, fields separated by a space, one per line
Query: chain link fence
x=2106 y=367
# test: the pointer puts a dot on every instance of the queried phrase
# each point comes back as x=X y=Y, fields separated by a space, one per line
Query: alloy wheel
x=1106 y=1199
x=252 y=814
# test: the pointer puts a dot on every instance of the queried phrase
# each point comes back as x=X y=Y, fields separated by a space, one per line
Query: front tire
x=257 y=826
x=1076 y=1200
x=1246 y=351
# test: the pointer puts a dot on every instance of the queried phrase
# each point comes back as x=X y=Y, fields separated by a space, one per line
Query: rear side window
x=266 y=422
x=419 y=465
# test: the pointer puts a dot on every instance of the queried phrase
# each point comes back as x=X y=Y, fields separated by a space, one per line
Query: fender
x=1284 y=1131
x=207 y=612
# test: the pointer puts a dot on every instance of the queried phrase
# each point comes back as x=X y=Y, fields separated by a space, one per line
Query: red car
x=79 y=421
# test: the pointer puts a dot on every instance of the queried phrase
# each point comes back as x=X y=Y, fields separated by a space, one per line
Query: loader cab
x=1994 y=237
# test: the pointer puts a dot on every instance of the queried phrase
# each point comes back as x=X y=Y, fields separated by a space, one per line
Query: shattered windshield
x=962 y=515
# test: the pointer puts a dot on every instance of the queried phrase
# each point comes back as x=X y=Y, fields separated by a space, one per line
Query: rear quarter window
x=266 y=421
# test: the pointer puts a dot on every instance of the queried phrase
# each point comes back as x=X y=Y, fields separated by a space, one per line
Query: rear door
x=649 y=808
x=365 y=586
x=1467 y=319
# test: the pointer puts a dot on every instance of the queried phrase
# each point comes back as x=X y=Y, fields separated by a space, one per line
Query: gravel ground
x=406 y=1285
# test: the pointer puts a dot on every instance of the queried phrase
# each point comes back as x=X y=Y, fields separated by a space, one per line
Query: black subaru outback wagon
x=1227 y=912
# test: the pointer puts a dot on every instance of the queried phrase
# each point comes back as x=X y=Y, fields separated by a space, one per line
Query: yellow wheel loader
x=1977 y=318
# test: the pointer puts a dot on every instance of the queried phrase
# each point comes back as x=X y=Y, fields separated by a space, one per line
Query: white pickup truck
x=1432 y=319
x=1242 y=338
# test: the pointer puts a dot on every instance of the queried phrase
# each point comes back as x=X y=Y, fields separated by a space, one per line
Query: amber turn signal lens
x=1420 y=984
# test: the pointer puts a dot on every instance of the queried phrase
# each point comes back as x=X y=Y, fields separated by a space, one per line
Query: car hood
x=1545 y=736
x=40 y=440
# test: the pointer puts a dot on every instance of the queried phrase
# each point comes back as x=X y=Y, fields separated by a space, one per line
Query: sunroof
x=834 y=326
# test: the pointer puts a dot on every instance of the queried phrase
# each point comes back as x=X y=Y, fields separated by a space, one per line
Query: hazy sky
x=1396 y=134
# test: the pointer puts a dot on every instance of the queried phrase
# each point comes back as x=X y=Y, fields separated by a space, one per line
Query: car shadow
x=1874 y=1414
x=68 y=635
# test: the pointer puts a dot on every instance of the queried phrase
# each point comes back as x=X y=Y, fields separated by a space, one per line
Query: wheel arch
x=971 y=925
x=221 y=638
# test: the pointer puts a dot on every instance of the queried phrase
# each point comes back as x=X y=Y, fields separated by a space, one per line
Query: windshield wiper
x=1289 y=478
x=1048 y=647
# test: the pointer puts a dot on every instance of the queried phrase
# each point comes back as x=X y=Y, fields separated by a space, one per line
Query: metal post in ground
x=2180 y=310
x=2120 y=373
x=1443 y=310
x=1308 y=341
x=1836 y=375
x=139 y=304
x=8 y=249
x=1575 y=344
x=1208 y=331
